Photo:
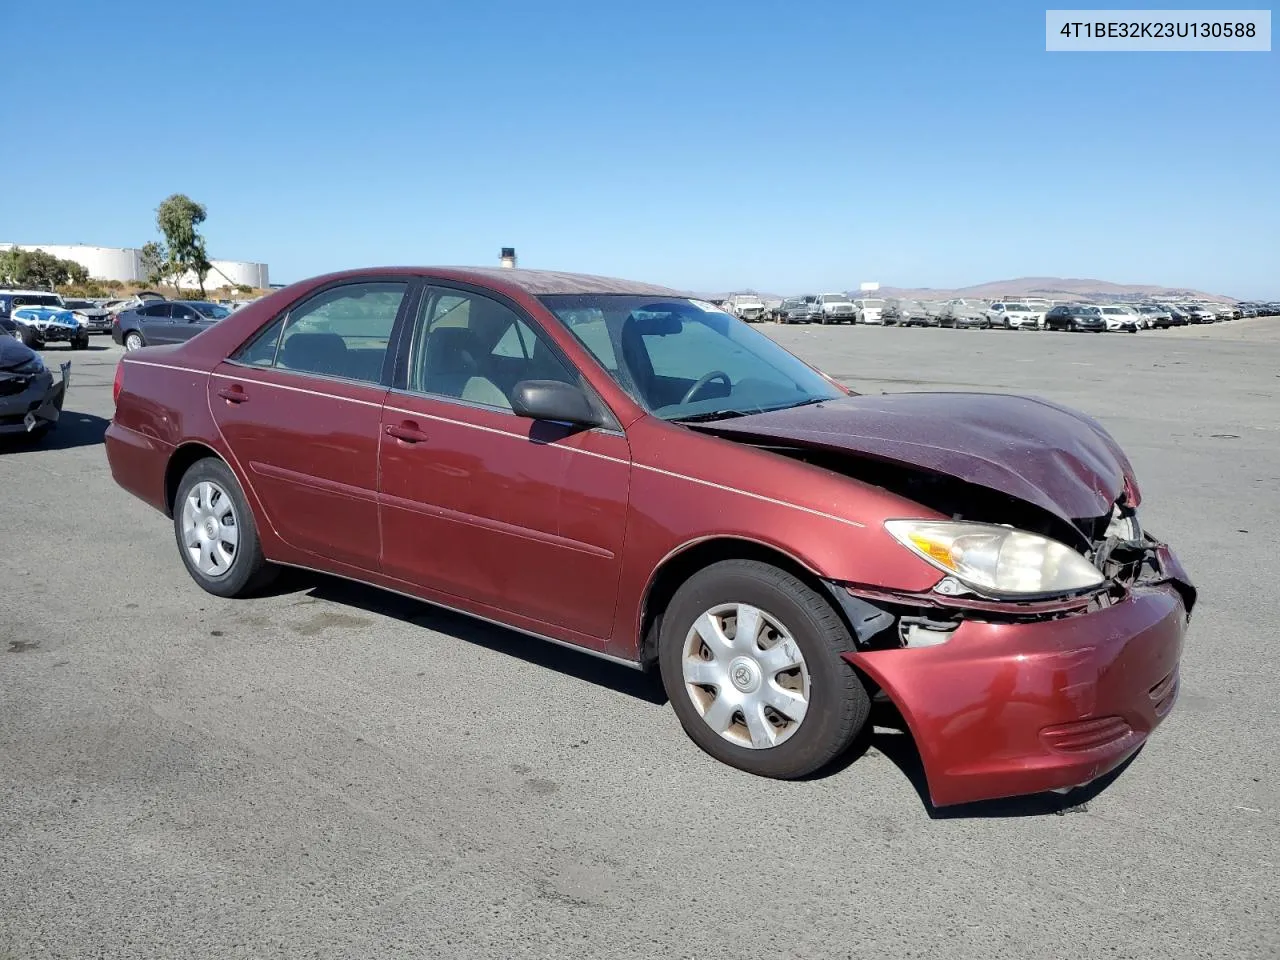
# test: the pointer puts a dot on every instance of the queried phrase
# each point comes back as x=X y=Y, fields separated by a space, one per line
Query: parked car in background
x=1012 y=315
x=1225 y=311
x=934 y=310
x=1201 y=314
x=907 y=313
x=835 y=308
x=41 y=325
x=795 y=310
x=1118 y=319
x=11 y=299
x=869 y=310
x=613 y=467
x=96 y=319
x=1140 y=321
x=964 y=313
x=746 y=306
x=1179 y=315
x=135 y=300
x=1073 y=317
x=30 y=400
x=164 y=321
x=1155 y=316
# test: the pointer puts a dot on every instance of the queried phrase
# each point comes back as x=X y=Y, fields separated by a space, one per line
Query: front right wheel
x=133 y=341
x=750 y=658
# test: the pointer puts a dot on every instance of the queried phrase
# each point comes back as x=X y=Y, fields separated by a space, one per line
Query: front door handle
x=234 y=394
x=406 y=431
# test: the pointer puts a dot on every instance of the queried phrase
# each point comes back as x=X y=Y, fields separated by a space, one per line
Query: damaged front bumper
x=32 y=402
x=1021 y=703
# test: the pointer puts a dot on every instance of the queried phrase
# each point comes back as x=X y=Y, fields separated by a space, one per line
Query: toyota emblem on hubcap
x=745 y=674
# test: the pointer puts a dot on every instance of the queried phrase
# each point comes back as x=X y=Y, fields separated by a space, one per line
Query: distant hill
x=1051 y=288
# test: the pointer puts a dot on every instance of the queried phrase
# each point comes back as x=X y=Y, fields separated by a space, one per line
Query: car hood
x=1056 y=458
x=14 y=354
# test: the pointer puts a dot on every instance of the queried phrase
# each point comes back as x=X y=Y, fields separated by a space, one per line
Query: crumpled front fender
x=50 y=408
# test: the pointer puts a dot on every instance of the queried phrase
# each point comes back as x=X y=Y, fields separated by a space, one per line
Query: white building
x=125 y=264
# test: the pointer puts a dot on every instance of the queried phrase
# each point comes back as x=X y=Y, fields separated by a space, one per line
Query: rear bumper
x=1004 y=709
x=138 y=463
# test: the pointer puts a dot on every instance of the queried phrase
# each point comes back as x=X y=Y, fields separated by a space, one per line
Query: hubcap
x=132 y=342
x=745 y=675
x=210 y=533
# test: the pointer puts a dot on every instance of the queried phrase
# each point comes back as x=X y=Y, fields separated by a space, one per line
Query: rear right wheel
x=216 y=535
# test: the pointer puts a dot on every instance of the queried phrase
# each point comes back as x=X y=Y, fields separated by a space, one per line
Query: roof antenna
x=508 y=259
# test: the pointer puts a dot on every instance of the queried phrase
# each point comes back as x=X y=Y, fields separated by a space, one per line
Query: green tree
x=36 y=268
x=155 y=263
x=178 y=218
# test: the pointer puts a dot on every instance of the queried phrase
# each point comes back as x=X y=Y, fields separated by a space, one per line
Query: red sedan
x=624 y=469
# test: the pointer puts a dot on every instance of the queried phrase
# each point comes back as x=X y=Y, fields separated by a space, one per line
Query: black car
x=1075 y=316
x=795 y=310
x=30 y=399
x=165 y=321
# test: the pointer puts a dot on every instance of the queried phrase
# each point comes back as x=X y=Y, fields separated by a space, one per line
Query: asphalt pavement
x=335 y=772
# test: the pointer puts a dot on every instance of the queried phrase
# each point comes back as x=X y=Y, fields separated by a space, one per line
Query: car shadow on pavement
x=420 y=613
x=887 y=734
x=74 y=429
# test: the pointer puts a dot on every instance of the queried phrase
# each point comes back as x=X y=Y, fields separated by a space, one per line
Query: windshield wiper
x=709 y=415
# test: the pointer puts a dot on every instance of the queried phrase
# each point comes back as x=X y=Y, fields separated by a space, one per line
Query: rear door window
x=342 y=332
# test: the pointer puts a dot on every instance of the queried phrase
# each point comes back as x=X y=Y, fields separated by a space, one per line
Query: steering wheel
x=704 y=380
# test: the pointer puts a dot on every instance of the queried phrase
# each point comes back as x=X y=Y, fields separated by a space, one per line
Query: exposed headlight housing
x=997 y=560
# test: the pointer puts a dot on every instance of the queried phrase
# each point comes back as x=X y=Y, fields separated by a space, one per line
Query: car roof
x=511 y=280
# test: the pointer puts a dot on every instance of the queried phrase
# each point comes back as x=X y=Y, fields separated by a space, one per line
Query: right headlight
x=995 y=559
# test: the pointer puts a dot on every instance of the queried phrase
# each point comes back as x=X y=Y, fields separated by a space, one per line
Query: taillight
x=118 y=383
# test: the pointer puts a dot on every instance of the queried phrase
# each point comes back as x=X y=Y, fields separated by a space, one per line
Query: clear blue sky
x=706 y=144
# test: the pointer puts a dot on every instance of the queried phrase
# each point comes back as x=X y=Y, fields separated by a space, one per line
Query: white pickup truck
x=835 y=308
x=746 y=306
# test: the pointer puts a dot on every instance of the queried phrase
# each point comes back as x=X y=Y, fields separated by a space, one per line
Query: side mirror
x=553 y=401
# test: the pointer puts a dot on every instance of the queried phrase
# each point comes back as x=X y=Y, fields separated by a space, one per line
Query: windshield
x=213 y=311
x=684 y=358
x=834 y=298
x=77 y=304
x=1112 y=310
x=1018 y=308
x=36 y=300
x=872 y=304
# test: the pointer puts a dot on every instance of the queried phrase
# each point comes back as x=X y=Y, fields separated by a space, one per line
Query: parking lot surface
x=335 y=772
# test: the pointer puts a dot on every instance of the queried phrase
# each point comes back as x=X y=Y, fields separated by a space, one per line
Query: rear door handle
x=234 y=394
x=407 y=431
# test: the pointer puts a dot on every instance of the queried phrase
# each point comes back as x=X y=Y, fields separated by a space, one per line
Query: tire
x=247 y=569
x=80 y=343
x=133 y=341
x=29 y=338
x=837 y=703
